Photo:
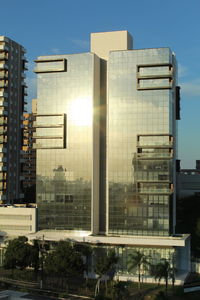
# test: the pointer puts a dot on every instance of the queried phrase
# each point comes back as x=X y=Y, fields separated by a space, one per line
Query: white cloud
x=84 y=44
x=182 y=71
x=191 y=88
x=55 y=50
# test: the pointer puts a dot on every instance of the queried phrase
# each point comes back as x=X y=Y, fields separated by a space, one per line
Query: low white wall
x=16 y=221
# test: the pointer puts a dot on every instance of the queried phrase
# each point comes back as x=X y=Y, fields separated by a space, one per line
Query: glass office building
x=141 y=138
x=105 y=143
x=67 y=142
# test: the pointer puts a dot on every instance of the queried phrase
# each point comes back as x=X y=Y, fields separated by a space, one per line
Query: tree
x=121 y=290
x=163 y=270
x=139 y=261
x=20 y=254
x=64 y=261
x=105 y=267
x=86 y=251
x=188 y=209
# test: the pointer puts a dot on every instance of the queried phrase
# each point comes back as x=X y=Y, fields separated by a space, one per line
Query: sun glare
x=81 y=112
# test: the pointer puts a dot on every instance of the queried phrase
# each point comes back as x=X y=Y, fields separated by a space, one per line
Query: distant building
x=29 y=165
x=188 y=182
x=17 y=220
x=12 y=101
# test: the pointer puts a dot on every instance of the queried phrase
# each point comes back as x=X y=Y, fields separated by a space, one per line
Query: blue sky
x=63 y=26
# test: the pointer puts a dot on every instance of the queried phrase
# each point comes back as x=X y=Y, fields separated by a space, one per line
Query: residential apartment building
x=12 y=101
x=106 y=149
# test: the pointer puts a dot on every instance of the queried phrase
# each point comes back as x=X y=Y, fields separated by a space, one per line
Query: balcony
x=4 y=48
x=3 y=168
x=3 y=122
x=3 y=112
x=3 y=74
x=3 y=84
x=23 y=83
x=25 y=93
x=3 y=140
x=3 y=197
x=3 y=159
x=2 y=130
x=3 y=94
x=3 y=66
x=3 y=149
x=2 y=188
x=3 y=56
x=3 y=103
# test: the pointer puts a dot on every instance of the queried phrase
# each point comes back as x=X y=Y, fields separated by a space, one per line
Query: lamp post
x=41 y=258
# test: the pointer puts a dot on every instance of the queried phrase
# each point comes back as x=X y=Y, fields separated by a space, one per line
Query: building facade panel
x=141 y=145
x=67 y=100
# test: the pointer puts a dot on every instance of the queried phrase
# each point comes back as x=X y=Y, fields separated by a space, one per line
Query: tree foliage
x=163 y=270
x=188 y=209
x=64 y=261
x=20 y=254
x=106 y=264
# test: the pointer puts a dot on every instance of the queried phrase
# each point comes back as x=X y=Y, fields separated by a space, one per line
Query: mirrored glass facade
x=67 y=101
x=141 y=142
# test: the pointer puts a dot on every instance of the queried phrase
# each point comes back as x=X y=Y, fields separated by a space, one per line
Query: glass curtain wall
x=141 y=149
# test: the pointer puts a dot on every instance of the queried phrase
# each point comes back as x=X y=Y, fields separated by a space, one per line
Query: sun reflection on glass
x=81 y=111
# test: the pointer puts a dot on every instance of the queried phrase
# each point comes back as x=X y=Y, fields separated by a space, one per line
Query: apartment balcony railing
x=3 y=74
x=3 y=84
x=3 y=56
x=3 y=103
x=3 y=112
x=3 y=168
x=3 y=159
x=3 y=66
x=3 y=122
x=3 y=47
x=3 y=149
x=3 y=94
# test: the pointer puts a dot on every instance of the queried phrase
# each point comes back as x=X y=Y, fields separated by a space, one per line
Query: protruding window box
x=51 y=65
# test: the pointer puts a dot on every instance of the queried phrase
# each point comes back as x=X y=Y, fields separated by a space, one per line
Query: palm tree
x=138 y=260
x=163 y=270
x=105 y=267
